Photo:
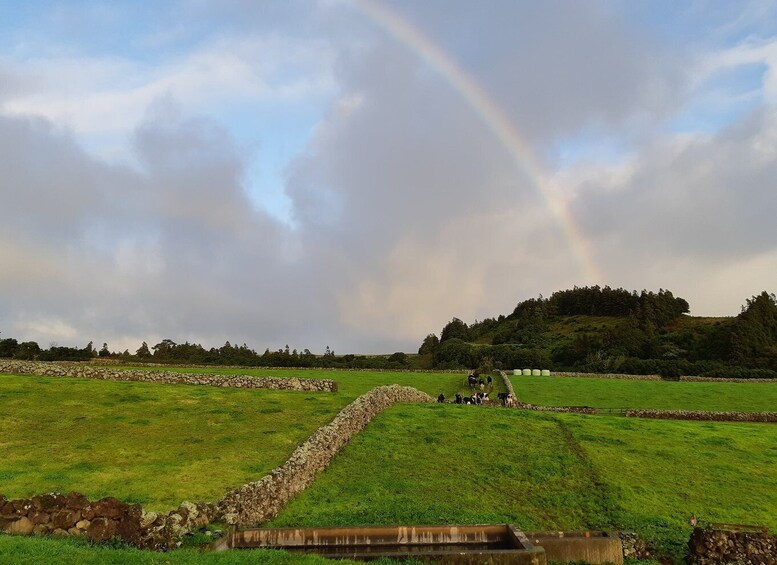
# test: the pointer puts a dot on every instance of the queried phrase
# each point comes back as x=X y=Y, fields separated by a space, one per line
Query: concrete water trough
x=592 y=547
x=495 y=544
x=500 y=544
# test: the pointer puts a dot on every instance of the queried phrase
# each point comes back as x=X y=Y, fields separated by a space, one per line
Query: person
x=441 y=398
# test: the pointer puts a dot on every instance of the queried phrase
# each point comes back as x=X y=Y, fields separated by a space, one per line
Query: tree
x=104 y=351
x=755 y=330
x=164 y=348
x=455 y=329
x=143 y=351
x=429 y=346
x=27 y=351
x=398 y=357
x=8 y=347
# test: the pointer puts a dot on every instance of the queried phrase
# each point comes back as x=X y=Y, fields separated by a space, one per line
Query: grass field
x=160 y=444
x=448 y=464
x=667 y=395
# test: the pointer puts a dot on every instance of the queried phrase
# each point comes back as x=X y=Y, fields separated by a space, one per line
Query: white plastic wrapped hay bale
x=527 y=372
x=545 y=373
x=516 y=372
x=536 y=373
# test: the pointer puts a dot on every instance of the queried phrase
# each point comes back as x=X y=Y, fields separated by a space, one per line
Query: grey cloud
x=703 y=197
x=557 y=67
x=175 y=250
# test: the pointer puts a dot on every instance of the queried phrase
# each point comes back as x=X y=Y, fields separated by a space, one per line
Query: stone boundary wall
x=769 y=417
x=713 y=547
x=133 y=363
x=508 y=383
x=685 y=379
x=724 y=380
x=260 y=501
x=101 y=520
x=567 y=409
x=82 y=370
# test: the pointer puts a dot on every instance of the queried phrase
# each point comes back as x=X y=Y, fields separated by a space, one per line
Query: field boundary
x=684 y=379
x=84 y=371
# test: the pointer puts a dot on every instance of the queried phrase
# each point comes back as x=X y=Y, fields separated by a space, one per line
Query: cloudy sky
x=355 y=173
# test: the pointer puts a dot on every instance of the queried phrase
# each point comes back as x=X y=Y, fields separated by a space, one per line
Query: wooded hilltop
x=601 y=329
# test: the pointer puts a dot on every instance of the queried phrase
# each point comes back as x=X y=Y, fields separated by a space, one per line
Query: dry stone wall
x=716 y=547
x=82 y=370
x=702 y=415
x=608 y=376
x=100 y=520
x=260 y=501
x=685 y=379
x=567 y=409
x=690 y=379
x=508 y=384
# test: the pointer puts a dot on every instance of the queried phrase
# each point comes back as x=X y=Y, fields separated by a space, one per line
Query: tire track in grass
x=607 y=505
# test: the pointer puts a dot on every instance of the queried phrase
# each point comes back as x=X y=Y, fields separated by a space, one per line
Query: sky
x=355 y=173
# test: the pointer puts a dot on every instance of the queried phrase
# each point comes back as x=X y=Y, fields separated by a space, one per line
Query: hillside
x=597 y=329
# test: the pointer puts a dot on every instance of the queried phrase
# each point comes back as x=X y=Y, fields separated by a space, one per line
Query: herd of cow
x=478 y=398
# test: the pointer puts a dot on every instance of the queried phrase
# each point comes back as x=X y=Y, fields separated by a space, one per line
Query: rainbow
x=496 y=121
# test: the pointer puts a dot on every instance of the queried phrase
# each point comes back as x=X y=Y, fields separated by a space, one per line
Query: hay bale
x=545 y=373
x=527 y=372
x=535 y=373
x=516 y=372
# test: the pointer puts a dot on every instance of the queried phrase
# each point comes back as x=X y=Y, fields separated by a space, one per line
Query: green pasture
x=160 y=444
x=428 y=464
x=667 y=395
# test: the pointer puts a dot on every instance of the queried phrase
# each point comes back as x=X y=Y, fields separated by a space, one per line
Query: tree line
x=600 y=329
x=168 y=351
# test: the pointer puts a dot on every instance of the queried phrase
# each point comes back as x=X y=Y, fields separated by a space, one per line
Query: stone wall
x=724 y=380
x=508 y=384
x=608 y=376
x=82 y=370
x=703 y=415
x=567 y=409
x=101 y=520
x=260 y=501
x=685 y=379
x=715 y=547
